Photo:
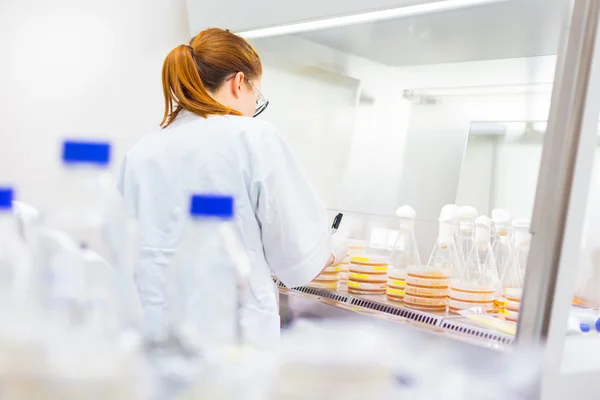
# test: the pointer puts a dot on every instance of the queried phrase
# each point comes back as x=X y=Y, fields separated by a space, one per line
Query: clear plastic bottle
x=88 y=243
x=15 y=260
x=513 y=276
x=210 y=277
x=465 y=217
x=502 y=245
x=405 y=253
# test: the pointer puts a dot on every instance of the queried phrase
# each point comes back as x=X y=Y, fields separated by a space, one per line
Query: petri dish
x=482 y=297
x=511 y=316
x=396 y=283
x=514 y=306
x=427 y=277
x=513 y=294
x=423 y=291
x=332 y=269
x=326 y=276
x=457 y=305
x=362 y=277
x=369 y=264
x=323 y=284
x=423 y=307
x=395 y=292
x=366 y=287
x=426 y=301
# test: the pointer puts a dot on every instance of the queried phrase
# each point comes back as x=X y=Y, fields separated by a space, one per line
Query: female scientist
x=210 y=143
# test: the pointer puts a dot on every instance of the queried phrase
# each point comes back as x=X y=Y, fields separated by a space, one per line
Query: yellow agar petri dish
x=324 y=284
x=362 y=277
x=426 y=301
x=422 y=291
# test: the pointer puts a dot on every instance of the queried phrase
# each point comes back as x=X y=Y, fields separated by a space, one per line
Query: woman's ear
x=238 y=82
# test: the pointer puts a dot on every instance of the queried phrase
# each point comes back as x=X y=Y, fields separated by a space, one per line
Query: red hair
x=190 y=72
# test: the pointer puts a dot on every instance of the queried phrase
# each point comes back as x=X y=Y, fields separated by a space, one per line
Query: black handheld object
x=336 y=222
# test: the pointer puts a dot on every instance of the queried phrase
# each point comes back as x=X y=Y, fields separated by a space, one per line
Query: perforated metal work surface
x=453 y=324
x=469 y=329
x=345 y=298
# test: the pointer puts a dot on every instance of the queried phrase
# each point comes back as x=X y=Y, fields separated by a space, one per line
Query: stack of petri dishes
x=368 y=275
x=396 y=285
x=513 y=304
x=356 y=248
x=463 y=297
x=329 y=278
x=426 y=289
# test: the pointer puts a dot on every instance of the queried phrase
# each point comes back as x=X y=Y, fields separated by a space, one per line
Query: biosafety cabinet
x=492 y=104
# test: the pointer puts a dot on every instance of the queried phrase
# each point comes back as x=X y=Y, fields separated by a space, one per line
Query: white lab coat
x=279 y=217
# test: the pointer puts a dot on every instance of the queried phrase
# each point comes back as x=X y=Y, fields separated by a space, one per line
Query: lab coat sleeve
x=295 y=230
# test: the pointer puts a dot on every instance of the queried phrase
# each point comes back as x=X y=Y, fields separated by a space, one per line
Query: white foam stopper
x=449 y=210
x=467 y=212
x=406 y=212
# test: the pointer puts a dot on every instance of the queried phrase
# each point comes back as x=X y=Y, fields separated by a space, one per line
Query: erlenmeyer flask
x=405 y=253
x=502 y=246
x=444 y=256
x=514 y=275
x=478 y=284
x=427 y=287
x=450 y=210
x=465 y=217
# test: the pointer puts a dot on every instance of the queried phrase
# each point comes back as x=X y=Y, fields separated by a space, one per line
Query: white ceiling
x=514 y=29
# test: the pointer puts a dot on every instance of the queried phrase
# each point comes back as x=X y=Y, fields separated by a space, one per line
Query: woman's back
x=229 y=155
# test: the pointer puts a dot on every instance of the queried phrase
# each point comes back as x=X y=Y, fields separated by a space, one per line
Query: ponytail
x=183 y=88
x=190 y=72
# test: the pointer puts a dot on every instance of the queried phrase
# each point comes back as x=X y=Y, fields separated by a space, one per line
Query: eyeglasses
x=261 y=102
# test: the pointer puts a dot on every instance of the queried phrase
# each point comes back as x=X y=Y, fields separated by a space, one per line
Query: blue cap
x=6 y=198
x=584 y=327
x=82 y=152
x=597 y=325
x=202 y=205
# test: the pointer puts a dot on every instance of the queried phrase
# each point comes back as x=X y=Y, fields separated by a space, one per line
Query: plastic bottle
x=88 y=243
x=210 y=277
x=465 y=216
x=15 y=260
x=502 y=246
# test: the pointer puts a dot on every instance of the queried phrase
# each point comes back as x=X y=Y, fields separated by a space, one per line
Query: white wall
x=79 y=69
x=315 y=111
x=474 y=186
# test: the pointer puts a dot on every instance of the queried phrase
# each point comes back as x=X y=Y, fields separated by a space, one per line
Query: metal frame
x=564 y=151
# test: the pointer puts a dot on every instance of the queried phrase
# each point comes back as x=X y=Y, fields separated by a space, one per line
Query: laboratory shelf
x=377 y=306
